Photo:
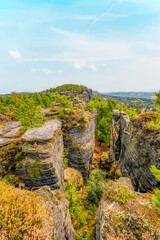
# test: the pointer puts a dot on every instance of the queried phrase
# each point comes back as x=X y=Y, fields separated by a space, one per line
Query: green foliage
x=28 y=113
x=156 y=172
x=65 y=159
x=104 y=116
x=148 y=121
x=154 y=125
x=117 y=192
x=157 y=100
x=68 y=87
x=137 y=103
x=75 y=206
x=156 y=197
x=83 y=216
x=96 y=182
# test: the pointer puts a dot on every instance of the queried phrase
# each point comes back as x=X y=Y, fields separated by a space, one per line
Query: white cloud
x=34 y=70
x=46 y=70
x=60 y=71
x=84 y=65
x=15 y=54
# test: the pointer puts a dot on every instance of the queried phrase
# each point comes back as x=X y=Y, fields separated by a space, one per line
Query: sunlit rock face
x=134 y=151
x=43 y=164
x=80 y=143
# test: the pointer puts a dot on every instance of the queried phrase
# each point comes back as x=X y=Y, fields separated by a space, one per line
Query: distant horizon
x=102 y=92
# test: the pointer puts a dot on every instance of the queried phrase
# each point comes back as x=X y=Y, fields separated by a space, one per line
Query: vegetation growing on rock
x=68 y=87
x=22 y=214
x=156 y=197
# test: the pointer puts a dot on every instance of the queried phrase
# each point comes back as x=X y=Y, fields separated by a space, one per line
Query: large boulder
x=125 y=214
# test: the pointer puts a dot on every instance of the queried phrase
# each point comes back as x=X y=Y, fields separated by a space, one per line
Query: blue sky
x=105 y=45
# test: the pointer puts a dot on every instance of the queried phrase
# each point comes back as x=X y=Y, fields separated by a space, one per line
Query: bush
x=22 y=214
x=65 y=159
x=156 y=197
x=154 y=125
x=117 y=192
x=96 y=182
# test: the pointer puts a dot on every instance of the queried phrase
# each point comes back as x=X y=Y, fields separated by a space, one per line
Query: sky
x=106 y=45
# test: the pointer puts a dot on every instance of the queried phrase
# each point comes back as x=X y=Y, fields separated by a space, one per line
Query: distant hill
x=135 y=102
x=148 y=95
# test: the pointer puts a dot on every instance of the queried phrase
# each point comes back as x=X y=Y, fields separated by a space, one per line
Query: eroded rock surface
x=43 y=164
x=80 y=144
x=134 y=152
x=125 y=214
x=60 y=226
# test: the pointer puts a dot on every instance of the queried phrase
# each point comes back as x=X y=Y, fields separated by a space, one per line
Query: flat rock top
x=44 y=133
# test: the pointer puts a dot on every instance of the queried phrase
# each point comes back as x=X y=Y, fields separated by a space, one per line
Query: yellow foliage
x=22 y=214
x=2 y=126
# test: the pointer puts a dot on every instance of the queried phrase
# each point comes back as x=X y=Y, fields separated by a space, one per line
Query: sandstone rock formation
x=125 y=214
x=80 y=144
x=43 y=164
x=60 y=227
x=134 y=152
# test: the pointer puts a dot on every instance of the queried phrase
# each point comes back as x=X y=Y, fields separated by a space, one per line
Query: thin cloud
x=43 y=70
x=14 y=54
x=60 y=31
x=85 y=17
x=101 y=16
x=84 y=65
x=60 y=71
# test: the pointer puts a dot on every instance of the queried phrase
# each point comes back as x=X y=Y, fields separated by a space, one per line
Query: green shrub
x=65 y=159
x=154 y=125
x=75 y=206
x=156 y=197
x=117 y=192
x=96 y=182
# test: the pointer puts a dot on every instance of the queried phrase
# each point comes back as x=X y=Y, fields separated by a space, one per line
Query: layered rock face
x=10 y=145
x=9 y=132
x=59 y=224
x=43 y=164
x=80 y=144
x=134 y=152
x=125 y=214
